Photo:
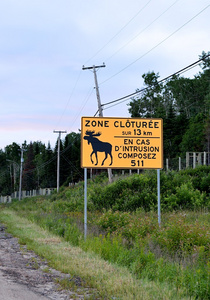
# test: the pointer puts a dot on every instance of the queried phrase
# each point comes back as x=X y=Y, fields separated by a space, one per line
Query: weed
x=33 y=262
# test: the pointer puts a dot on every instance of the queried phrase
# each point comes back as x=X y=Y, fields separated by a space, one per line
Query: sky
x=45 y=43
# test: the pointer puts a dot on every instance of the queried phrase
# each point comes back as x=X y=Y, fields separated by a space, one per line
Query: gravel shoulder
x=24 y=275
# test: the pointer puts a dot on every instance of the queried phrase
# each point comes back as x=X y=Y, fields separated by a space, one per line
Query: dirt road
x=13 y=291
x=24 y=276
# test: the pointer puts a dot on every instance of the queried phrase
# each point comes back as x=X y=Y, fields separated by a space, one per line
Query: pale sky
x=44 y=44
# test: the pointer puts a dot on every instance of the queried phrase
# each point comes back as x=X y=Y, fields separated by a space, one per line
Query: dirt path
x=23 y=275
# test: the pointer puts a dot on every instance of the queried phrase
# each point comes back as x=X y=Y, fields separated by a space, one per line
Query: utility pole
x=21 y=172
x=96 y=85
x=58 y=157
x=99 y=100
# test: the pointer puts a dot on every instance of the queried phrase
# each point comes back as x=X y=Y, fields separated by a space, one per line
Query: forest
x=183 y=104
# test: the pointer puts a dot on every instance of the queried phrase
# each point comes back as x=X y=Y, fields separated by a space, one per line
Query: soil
x=23 y=267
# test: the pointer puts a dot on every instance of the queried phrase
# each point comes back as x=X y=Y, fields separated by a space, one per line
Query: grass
x=110 y=280
x=173 y=258
x=177 y=254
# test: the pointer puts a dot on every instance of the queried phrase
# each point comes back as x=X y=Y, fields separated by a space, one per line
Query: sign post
x=122 y=143
x=158 y=193
x=85 y=203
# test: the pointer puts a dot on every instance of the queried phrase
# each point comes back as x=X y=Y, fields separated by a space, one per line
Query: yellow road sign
x=131 y=143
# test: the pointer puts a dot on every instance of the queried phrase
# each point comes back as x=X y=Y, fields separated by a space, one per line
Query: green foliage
x=129 y=226
x=29 y=181
x=108 y=248
x=205 y=184
x=186 y=197
x=179 y=237
x=194 y=137
x=187 y=189
x=150 y=105
x=112 y=221
x=126 y=194
x=39 y=166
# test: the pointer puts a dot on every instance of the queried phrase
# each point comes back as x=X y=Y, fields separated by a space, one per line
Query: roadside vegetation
x=145 y=260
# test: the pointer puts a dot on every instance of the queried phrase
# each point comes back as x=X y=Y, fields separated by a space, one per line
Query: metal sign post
x=85 y=203
x=158 y=196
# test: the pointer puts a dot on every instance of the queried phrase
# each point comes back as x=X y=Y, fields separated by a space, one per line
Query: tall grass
x=176 y=254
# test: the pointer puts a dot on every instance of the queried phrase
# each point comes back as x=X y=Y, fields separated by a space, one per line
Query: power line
x=140 y=32
x=160 y=81
x=67 y=104
x=85 y=102
x=73 y=166
x=119 y=31
x=156 y=45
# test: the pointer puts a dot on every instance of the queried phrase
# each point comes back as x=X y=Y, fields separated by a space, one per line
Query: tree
x=205 y=64
x=194 y=137
x=71 y=155
x=184 y=105
x=150 y=104
x=5 y=182
x=29 y=181
x=12 y=152
x=169 y=132
x=207 y=135
x=47 y=167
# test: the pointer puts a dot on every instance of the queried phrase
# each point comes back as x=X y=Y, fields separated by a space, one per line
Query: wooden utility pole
x=100 y=110
x=96 y=86
x=58 y=157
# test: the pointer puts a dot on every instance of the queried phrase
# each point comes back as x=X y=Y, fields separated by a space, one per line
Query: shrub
x=112 y=221
x=186 y=198
x=205 y=184
x=180 y=237
x=126 y=194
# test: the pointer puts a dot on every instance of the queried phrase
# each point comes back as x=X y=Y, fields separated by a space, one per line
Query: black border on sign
x=111 y=167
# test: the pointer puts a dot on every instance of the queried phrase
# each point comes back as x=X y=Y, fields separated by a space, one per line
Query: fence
x=25 y=194
x=192 y=160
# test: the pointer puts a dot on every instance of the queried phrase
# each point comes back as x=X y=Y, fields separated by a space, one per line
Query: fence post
x=167 y=164
x=187 y=159
x=194 y=160
x=180 y=164
x=204 y=158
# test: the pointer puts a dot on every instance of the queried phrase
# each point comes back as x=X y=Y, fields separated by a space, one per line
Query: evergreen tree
x=48 y=168
x=194 y=137
x=29 y=181
x=72 y=156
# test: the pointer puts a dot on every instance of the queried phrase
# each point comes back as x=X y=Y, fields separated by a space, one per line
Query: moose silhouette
x=98 y=146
